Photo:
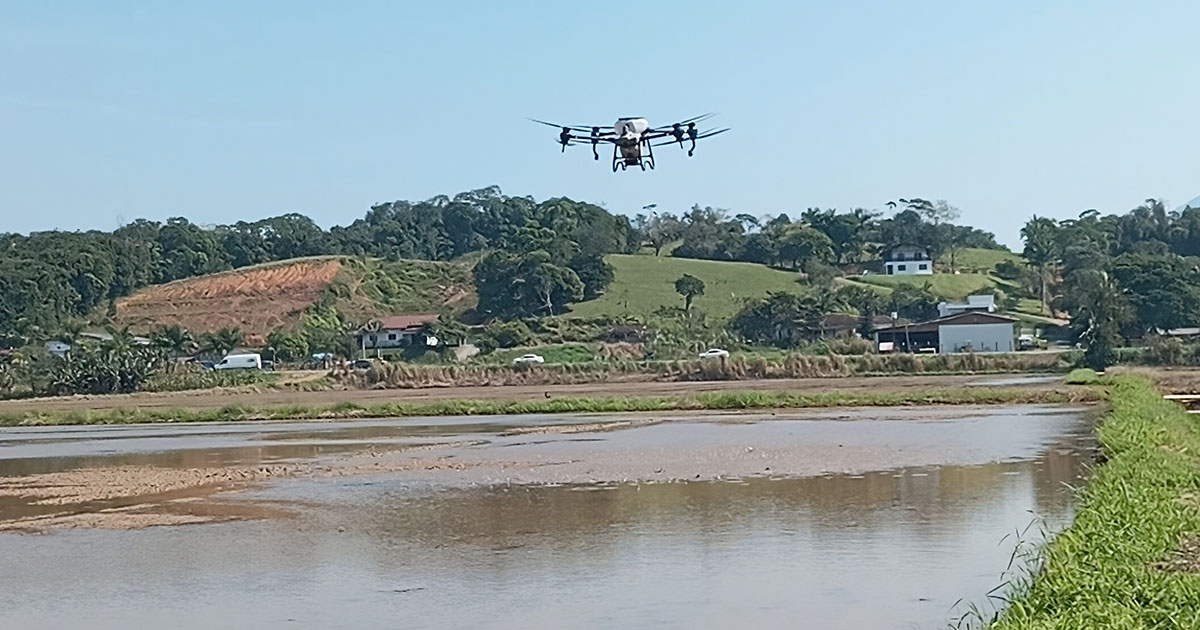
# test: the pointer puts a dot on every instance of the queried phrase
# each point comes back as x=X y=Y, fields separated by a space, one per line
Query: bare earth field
x=257 y=300
x=209 y=399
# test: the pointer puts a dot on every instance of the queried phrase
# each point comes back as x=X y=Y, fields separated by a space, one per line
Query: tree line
x=814 y=240
x=49 y=278
x=1118 y=277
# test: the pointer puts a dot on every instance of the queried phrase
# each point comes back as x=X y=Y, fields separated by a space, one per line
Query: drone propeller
x=698 y=136
x=691 y=135
x=570 y=127
x=690 y=121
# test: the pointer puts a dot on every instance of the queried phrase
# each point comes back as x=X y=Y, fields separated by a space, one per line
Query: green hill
x=978 y=260
x=948 y=286
x=643 y=284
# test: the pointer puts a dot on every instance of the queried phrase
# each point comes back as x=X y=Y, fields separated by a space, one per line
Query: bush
x=184 y=376
x=510 y=334
x=1083 y=376
x=91 y=369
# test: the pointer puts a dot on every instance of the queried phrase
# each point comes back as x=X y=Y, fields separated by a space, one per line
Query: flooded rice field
x=881 y=518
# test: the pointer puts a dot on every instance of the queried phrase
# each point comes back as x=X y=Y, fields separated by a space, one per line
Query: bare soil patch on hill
x=256 y=300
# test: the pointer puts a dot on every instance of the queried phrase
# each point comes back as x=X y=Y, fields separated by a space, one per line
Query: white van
x=240 y=362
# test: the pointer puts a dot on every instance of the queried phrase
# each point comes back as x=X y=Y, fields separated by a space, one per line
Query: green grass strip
x=715 y=401
x=1136 y=511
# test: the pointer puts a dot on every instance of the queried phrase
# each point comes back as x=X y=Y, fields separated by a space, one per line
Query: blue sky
x=224 y=111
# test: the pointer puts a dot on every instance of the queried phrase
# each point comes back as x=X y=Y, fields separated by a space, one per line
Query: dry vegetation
x=792 y=366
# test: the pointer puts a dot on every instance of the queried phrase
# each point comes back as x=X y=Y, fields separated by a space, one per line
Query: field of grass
x=948 y=286
x=979 y=260
x=643 y=284
x=1131 y=559
x=714 y=401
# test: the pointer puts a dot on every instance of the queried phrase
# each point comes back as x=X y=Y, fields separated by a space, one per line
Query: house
x=105 y=337
x=839 y=324
x=970 y=331
x=396 y=331
x=907 y=260
x=981 y=303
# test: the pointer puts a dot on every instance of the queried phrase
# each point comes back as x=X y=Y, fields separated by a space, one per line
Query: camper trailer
x=240 y=362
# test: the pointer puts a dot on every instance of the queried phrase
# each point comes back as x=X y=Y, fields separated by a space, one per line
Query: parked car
x=527 y=359
x=361 y=364
x=713 y=353
x=208 y=365
x=240 y=362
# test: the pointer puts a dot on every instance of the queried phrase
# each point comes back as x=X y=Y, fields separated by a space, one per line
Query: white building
x=971 y=331
x=396 y=331
x=977 y=303
x=908 y=260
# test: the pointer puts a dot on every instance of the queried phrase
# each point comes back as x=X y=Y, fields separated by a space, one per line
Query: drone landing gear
x=643 y=161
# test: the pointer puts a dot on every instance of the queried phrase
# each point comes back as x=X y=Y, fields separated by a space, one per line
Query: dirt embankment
x=259 y=399
x=256 y=300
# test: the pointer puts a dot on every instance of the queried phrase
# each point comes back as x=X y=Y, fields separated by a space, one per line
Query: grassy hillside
x=948 y=286
x=642 y=284
x=976 y=260
x=263 y=298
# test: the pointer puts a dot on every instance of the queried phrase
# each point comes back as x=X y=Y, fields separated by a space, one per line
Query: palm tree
x=223 y=341
x=1041 y=250
x=69 y=331
x=121 y=339
x=175 y=339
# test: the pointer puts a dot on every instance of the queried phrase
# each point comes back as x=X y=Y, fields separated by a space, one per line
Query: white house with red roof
x=395 y=331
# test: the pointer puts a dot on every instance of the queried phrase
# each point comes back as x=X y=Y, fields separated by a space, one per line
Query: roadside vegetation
x=1131 y=559
x=713 y=401
x=405 y=376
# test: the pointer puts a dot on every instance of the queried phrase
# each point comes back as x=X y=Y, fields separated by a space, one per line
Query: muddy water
x=831 y=519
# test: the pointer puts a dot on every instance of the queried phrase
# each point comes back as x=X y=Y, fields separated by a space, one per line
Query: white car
x=714 y=353
x=528 y=358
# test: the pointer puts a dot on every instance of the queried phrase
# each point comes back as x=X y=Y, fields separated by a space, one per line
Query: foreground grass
x=714 y=401
x=1140 y=507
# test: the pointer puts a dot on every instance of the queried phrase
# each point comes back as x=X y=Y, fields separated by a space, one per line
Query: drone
x=632 y=138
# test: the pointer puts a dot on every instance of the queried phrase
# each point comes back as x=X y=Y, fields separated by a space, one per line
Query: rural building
x=979 y=303
x=396 y=331
x=972 y=331
x=908 y=260
x=839 y=324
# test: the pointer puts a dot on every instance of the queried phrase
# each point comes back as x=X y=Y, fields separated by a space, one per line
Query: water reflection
x=881 y=549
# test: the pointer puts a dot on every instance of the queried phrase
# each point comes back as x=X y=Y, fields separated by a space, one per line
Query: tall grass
x=734 y=368
x=729 y=400
x=185 y=377
x=1141 y=506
